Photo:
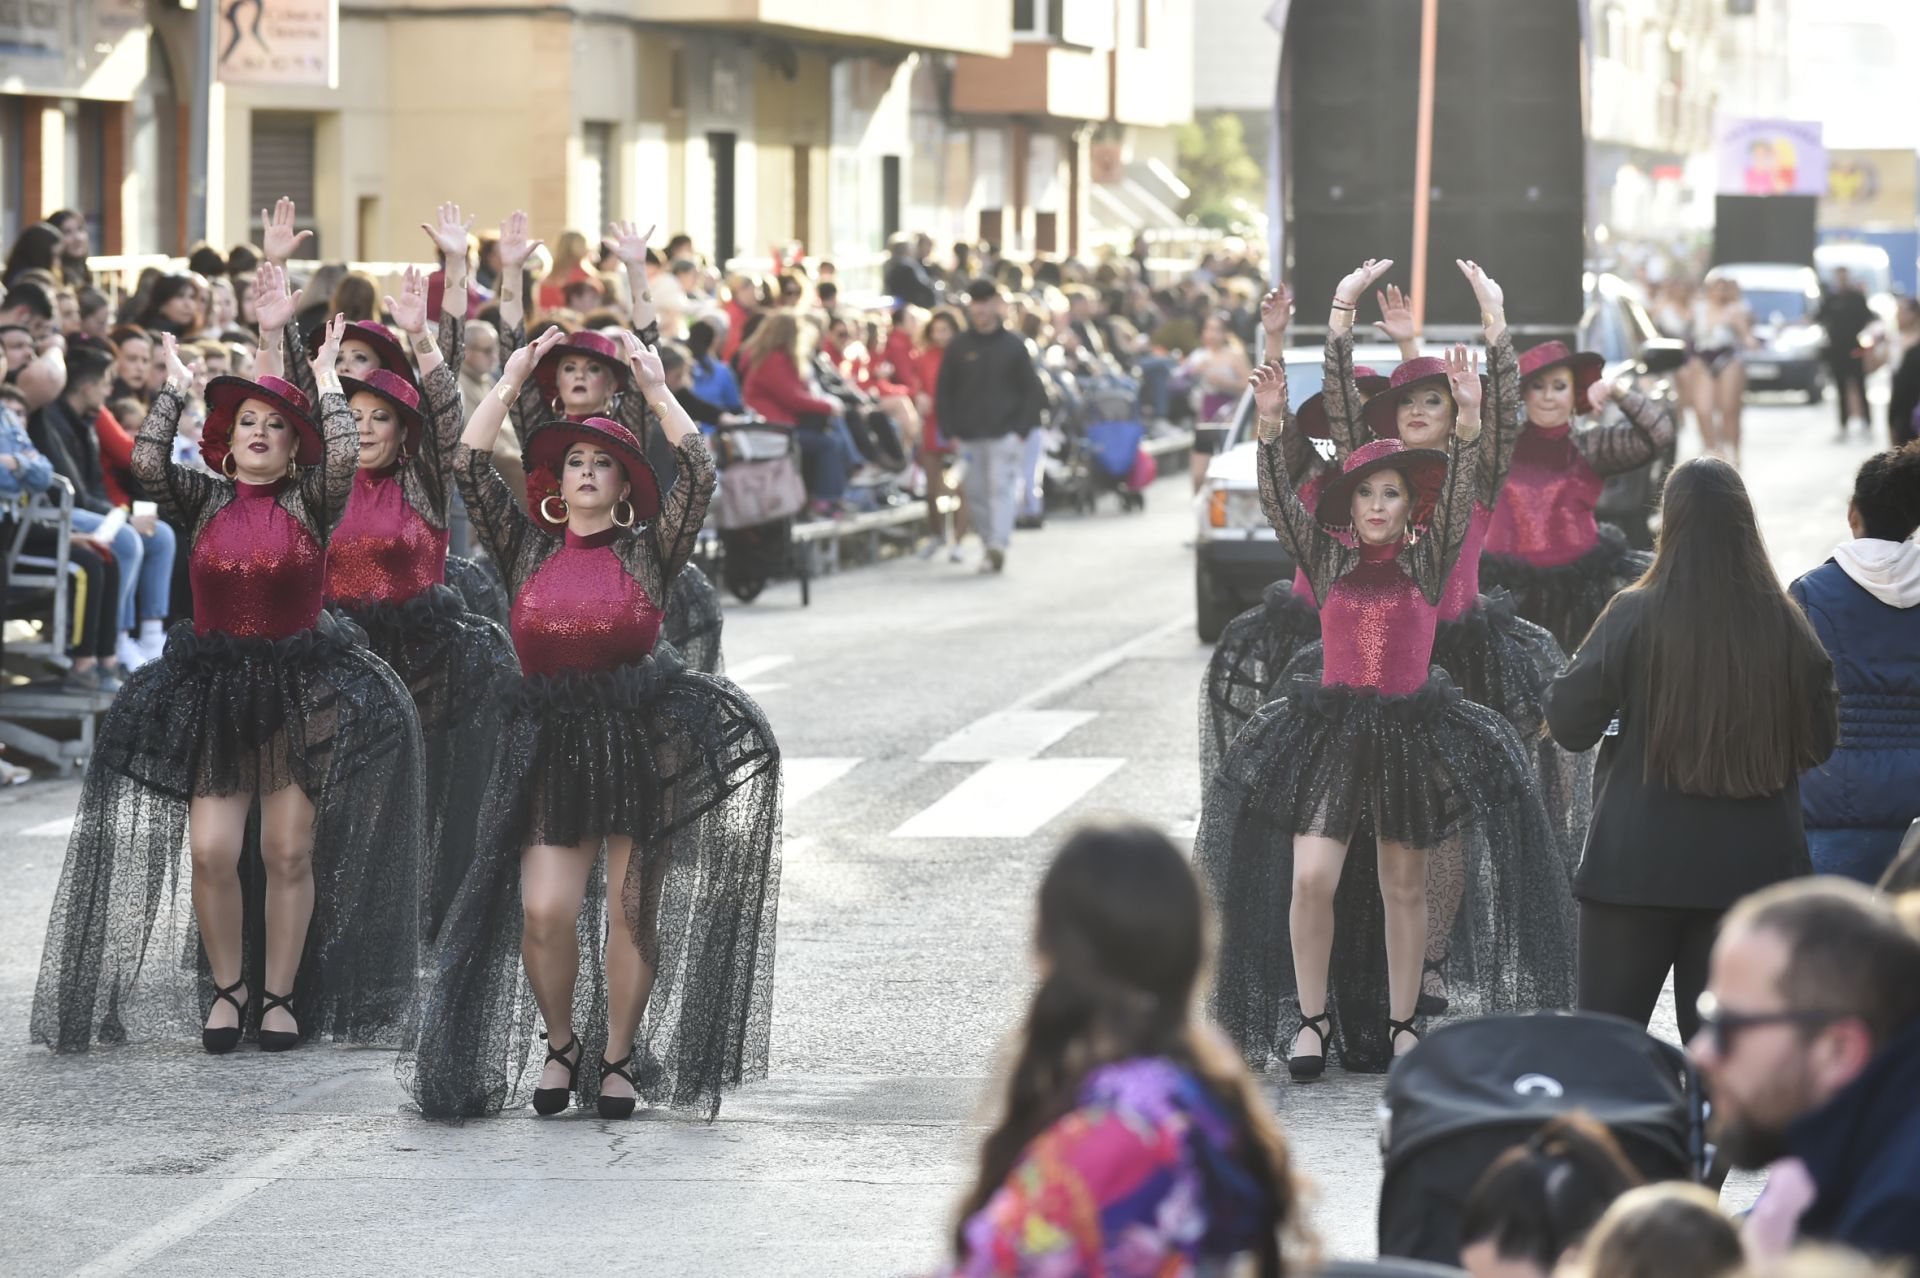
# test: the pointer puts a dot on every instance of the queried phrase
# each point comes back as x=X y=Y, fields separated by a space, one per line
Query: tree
x=1220 y=176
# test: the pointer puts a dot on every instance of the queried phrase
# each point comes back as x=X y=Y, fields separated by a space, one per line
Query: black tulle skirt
x=692 y=623
x=478 y=584
x=1253 y=650
x=218 y=716
x=1567 y=599
x=684 y=764
x=1429 y=770
x=452 y=661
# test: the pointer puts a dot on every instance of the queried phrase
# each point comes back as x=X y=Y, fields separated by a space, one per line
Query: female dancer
x=1544 y=543
x=1257 y=645
x=587 y=376
x=1380 y=733
x=386 y=566
x=262 y=703
x=1714 y=380
x=609 y=740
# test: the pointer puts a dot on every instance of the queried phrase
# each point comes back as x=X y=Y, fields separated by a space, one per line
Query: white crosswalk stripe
x=1009 y=799
x=803 y=778
x=1007 y=734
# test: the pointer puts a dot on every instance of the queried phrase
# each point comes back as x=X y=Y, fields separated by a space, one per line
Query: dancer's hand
x=449 y=232
x=515 y=247
x=410 y=312
x=1348 y=292
x=1396 y=315
x=1463 y=378
x=1276 y=309
x=1600 y=394
x=328 y=354
x=278 y=239
x=630 y=242
x=179 y=376
x=1490 y=296
x=272 y=304
x=1269 y=383
x=521 y=362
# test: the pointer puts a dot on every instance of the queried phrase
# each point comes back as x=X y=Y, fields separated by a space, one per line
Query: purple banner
x=1770 y=157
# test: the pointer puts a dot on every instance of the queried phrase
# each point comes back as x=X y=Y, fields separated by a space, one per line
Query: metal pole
x=1423 y=158
x=199 y=121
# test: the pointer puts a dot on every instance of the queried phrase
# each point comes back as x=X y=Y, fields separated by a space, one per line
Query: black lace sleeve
x=298 y=369
x=505 y=528
x=1341 y=396
x=1431 y=558
x=1296 y=450
x=526 y=411
x=180 y=492
x=444 y=421
x=684 y=509
x=1505 y=416
x=1320 y=555
x=453 y=337
x=1645 y=432
x=325 y=488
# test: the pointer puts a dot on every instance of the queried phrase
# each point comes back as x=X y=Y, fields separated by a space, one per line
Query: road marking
x=1097 y=666
x=1187 y=830
x=1007 y=734
x=60 y=829
x=190 y=1219
x=1008 y=799
x=803 y=778
x=754 y=667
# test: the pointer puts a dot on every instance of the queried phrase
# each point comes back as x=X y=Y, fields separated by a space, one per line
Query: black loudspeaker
x=1764 y=228
x=1509 y=155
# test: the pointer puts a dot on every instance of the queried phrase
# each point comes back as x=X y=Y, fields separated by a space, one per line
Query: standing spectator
x=133 y=363
x=988 y=399
x=906 y=280
x=1710 y=694
x=96 y=313
x=37 y=250
x=1134 y=1142
x=1904 y=402
x=479 y=363
x=1810 y=1044
x=1845 y=315
x=936 y=450
x=74 y=248
x=1865 y=605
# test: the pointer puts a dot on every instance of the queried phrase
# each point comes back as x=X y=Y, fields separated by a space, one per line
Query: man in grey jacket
x=989 y=400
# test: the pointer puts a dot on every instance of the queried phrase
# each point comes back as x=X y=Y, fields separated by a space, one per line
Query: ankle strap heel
x=277 y=1040
x=218 y=1042
x=617 y=1106
x=552 y=1100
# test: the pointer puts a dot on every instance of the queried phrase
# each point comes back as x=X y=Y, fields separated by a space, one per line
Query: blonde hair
x=781 y=330
x=571 y=250
x=1669 y=1230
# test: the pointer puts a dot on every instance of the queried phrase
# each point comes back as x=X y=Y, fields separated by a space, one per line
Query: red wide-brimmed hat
x=226 y=394
x=545 y=451
x=598 y=346
x=393 y=357
x=1312 y=414
x=1425 y=470
x=1585 y=366
x=398 y=392
x=1382 y=410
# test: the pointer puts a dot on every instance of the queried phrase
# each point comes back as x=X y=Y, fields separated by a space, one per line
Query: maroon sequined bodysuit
x=1377 y=627
x=1463 y=583
x=257 y=571
x=383 y=552
x=581 y=610
x=1545 y=513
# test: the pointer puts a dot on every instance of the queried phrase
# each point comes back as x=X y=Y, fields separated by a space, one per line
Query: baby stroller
x=760 y=491
x=1107 y=434
x=1474 y=1090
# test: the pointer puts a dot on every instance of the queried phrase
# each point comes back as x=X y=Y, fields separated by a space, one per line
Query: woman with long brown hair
x=1709 y=693
x=1133 y=1141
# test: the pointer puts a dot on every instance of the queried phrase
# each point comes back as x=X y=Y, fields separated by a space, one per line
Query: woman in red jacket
x=936 y=452
x=772 y=386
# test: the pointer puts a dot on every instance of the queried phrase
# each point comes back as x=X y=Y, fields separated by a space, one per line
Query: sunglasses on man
x=1722 y=1027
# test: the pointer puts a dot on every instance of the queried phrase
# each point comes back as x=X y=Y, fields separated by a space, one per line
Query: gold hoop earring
x=558 y=407
x=293 y=469
x=1414 y=539
x=632 y=514
x=548 y=515
x=229 y=467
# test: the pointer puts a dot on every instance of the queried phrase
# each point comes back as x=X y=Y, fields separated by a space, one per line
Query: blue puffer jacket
x=1865 y=604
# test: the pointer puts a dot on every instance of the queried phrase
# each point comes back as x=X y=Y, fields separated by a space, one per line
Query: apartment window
x=1039 y=19
x=596 y=176
x=13 y=187
x=282 y=152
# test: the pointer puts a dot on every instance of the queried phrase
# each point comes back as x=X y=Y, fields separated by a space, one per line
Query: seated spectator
x=570 y=254
x=1669 y=1230
x=771 y=362
x=37 y=250
x=24 y=471
x=28 y=304
x=1531 y=1210
x=38 y=367
x=1809 y=1043
x=96 y=313
x=905 y=279
x=584 y=294
x=1864 y=604
x=176 y=305
x=1133 y=1141
x=712 y=380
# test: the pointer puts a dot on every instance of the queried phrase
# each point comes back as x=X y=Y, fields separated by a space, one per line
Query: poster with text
x=283 y=43
x=1770 y=157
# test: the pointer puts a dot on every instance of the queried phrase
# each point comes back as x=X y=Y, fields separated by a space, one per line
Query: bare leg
x=1730 y=392
x=286 y=846
x=633 y=951
x=1197 y=463
x=1696 y=389
x=1403 y=890
x=933 y=466
x=216 y=828
x=553 y=885
x=1317 y=862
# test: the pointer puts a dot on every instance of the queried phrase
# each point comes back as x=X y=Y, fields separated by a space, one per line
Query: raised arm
x=273 y=311
x=439 y=385
x=1322 y=557
x=683 y=509
x=503 y=525
x=515 y=249
x=1643 y=433
x=1430 y=559
x=630 y=245
x=1396 y=321
x=180 y=492
x=327 y=486
x=1339 y=393
x=409 y=313
x=450 y=233
x=1505 y=412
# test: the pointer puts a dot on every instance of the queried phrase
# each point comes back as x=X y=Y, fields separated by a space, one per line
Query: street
x=941 y=731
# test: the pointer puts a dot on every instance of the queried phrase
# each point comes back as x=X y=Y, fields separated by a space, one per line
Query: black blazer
x=1650 y=844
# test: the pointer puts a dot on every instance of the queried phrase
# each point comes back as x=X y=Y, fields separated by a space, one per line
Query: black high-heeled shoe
x=277 y=1040
x=218 y=1042
x=553 y=1100
x=1307 y=1068
x=617 y=1106
x=1396 y=1028
x=1432 y=1004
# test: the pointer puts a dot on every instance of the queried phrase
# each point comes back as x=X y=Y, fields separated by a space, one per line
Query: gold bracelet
x=505 y=392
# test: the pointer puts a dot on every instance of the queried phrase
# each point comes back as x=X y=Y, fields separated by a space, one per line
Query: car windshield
x=1771 y=305
x=1304 y=379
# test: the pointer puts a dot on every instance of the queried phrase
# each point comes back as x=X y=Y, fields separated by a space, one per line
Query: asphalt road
x=942 y=732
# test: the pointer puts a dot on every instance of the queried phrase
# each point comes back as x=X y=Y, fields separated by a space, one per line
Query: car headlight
x=1236 y=509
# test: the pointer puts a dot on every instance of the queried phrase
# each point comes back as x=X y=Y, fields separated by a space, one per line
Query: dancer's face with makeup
x=1382 y=506
x=1549 y=397
x=1424 y=416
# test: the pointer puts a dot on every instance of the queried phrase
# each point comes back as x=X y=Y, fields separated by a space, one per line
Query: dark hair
x=1669 y=1230
x=204 y=259
x=242 y=259
x=92 y=301
x=605 y=317
x=1886 y=492
x=700 y=337
x=58 y=217
x=356 y=296
x=827 y=291
x=37 y=249
x=130 y=332
x=32 y=295
x=165 y=289
x=1847 y=951
x=1123 y=929
x=87 y=364
x=1540 y=1198
x=1739 y=688
x=673 y=356
x=678 y=244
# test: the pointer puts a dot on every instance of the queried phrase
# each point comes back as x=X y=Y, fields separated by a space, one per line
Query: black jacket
x=1905 y=398
x=1862 y=1149
x=907 y=282
x=74 y=452
x=988 y=386
x=1650 y=844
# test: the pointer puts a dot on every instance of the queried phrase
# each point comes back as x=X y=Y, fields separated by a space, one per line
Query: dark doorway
x=720 y=148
